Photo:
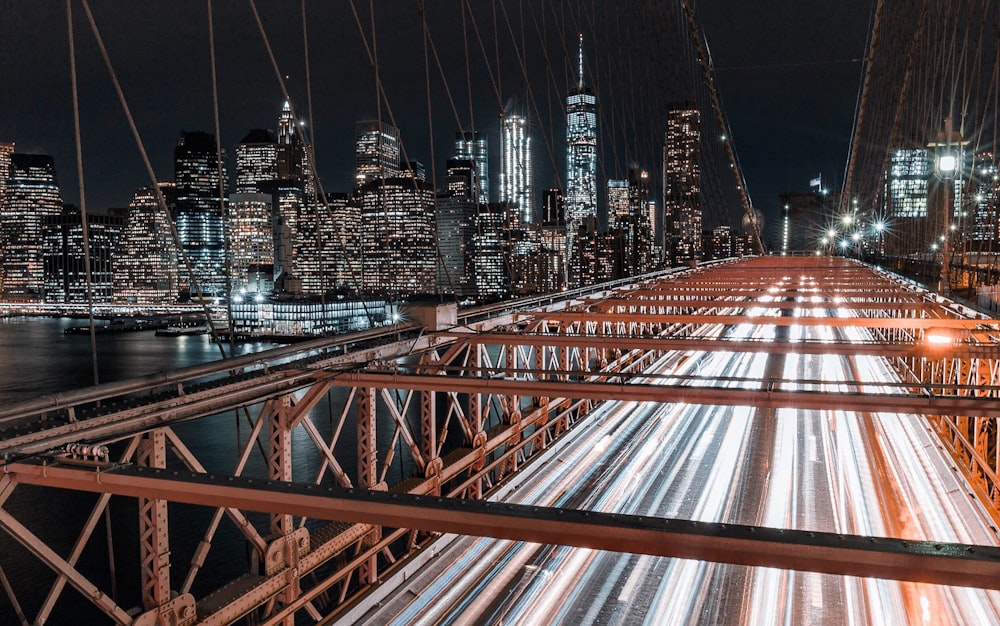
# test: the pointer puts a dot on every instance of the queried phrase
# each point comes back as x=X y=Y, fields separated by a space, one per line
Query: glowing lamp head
x=947 y=163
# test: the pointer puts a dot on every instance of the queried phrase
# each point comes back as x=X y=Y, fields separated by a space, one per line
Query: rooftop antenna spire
x=580 y=72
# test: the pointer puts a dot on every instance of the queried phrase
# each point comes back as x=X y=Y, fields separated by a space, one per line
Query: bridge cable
x=161 y=200
x=84 y=221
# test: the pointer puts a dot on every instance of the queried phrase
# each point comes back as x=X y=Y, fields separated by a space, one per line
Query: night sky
x=788 y=74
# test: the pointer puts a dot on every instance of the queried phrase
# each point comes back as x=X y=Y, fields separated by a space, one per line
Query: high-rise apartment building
x=256 y=160
x=145 y=263
x=6 y=149
x=198 y=212
x=682 y=200
x=982 y=202
x=909 y=171
x=397 y=237
x=581 y=152
x=456 y=226
x=553 y=208
x=340 y=242
x=65 y=260
x=472 y=146
x=488 y=266
x=516 y=179
x=377 y=151
x=251 y=237
x=31 y=195
x=723 y=242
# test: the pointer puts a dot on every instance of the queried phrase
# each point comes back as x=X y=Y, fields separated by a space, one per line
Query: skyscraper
x=256 y=160
x=376 y=151
x=64 y=256
x=145 y=264
x=983 y=199
x=908 y=177
x=199 y=211
x=31 y=195
x=581 y=152
x=6 y=149
x=397 y=237
x=472 y=146
x=682 y=202
x=516 y=182
x=456 y=226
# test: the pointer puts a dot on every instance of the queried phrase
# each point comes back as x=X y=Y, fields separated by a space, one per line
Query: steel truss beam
x=763 y=394
x=830 y=553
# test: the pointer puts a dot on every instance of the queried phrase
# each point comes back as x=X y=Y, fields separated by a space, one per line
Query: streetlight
x=946 y=164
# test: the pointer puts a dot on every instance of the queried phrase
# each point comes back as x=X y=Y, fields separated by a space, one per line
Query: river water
x=36 y=358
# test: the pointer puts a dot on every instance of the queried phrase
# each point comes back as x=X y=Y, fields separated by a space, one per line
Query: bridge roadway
x=875 y=474
x=707 y=410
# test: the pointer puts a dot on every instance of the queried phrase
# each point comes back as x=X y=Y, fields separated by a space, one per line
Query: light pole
x=947 y=149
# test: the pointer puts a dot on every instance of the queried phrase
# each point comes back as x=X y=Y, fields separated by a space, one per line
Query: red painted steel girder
x=768 y=395
x=696 y=344
x=850 y=555
x=769 y=320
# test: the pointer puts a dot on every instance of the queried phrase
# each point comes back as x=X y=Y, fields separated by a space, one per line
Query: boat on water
x=178 y=331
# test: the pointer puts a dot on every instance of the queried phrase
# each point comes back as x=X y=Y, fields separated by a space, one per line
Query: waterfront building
x=145 y=263
x=377 y=151
x=6 y=149
x=581 y=153
x=260 y=317
x=473 y=147
x=251 y=237
x=682 y=199
x=199 y=211
x=516 y=177
x=31 y=195
x=65 y=262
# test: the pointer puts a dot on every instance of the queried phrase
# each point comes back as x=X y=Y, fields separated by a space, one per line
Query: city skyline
x=28 y=117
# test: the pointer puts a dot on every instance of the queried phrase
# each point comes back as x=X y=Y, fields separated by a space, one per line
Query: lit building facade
x=581 y=153
x=31 y=196
x=682 y=199
x=456 y=226
x=516 y=178
x=256 y=160
x=145 y=264
x=473 y=147
x=982 y=201
x=909 y=173
x=64 y=260
x=251 y=236
x=553 y=208
x=6 y=149
x=340 y=241
x=198 y=212
x=723 y=242
x=397 y=237
x=376 y=151
x=488 y=266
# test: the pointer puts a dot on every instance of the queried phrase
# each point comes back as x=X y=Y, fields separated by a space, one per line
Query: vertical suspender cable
x=223 y=214
x=83 y=198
